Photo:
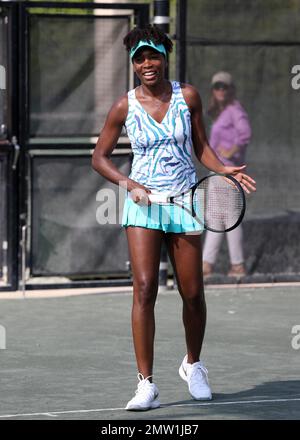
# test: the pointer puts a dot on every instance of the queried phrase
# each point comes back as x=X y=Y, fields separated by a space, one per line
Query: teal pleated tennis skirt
x=167 y=218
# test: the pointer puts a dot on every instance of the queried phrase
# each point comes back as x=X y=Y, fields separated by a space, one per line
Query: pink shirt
x=231 y=128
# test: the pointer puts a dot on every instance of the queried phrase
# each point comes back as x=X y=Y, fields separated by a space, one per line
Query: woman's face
x=220 y=92
x=149 y=65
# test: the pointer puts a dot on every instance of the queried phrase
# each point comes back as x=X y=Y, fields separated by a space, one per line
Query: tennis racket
x=217 y=202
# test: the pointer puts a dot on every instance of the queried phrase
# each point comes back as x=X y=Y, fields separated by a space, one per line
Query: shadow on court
x=72 y=357
x=250 y=404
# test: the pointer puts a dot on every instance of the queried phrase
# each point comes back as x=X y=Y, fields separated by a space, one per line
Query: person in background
x=230 y=135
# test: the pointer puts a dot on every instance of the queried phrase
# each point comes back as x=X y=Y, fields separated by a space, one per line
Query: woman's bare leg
x=186 y=256
x=144 y=249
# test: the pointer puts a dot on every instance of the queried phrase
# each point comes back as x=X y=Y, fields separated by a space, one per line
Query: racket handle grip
x=158 y=198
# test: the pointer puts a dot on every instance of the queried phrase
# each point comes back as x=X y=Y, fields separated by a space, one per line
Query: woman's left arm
x=203 y=151
x=242 y=125
x=242 y=128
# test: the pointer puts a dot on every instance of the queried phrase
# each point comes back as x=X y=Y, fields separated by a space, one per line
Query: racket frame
x=163 y=199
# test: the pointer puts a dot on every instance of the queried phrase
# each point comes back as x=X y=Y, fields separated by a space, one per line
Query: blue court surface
x=71 y=356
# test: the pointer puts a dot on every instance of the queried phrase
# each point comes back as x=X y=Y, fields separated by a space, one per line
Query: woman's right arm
x=107 y=141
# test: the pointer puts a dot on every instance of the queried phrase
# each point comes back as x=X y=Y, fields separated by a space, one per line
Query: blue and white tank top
x=162 y=152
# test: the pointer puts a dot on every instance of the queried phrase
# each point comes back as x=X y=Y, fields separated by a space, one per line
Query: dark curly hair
x=149 y=32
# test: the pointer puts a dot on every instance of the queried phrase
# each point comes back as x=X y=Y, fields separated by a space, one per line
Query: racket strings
x=222 y=203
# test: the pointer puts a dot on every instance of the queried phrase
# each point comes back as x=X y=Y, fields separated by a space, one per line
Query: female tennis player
x=163 y=120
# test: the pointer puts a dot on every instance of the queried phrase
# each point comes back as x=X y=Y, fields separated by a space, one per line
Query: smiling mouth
x=150 y=75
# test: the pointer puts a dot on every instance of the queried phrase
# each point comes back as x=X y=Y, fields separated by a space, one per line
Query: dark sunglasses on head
x=220 y=86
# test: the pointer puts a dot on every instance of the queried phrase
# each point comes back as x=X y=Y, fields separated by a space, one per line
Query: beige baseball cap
x=223 y=77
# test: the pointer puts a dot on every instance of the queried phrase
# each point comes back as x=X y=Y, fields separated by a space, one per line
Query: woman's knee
x=193 y=299
x=145 y=292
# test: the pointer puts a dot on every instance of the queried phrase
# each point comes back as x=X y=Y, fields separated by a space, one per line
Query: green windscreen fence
x=258 y=42
x=78 y=68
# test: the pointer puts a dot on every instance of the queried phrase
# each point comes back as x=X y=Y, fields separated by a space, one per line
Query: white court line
x=62 y=293
x=176 y=405
x=127 y=290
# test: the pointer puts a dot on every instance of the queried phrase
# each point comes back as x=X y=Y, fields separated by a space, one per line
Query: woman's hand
x=248 y=184
x=227 y=153
x=139 y=194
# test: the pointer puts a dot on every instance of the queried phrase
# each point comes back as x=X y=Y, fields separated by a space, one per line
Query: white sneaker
x=196 y=377
x=146 y=396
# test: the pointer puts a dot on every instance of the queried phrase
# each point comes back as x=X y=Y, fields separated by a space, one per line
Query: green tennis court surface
x=72 y=357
